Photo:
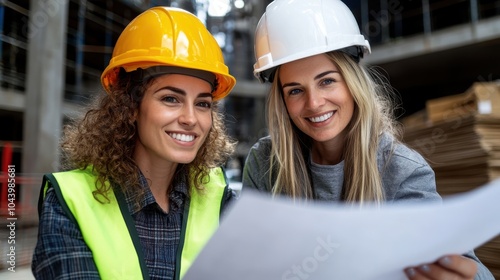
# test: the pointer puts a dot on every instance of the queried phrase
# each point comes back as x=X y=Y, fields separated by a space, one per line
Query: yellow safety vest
x=109 y=229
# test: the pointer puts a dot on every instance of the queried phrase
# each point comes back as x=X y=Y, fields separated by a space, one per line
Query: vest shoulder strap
x=202 y=217
x=106 y=227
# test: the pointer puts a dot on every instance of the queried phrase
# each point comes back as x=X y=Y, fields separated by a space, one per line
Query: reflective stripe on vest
x=109 y=231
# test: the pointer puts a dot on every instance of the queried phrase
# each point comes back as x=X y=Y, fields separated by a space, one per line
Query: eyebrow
x=183 y=92
x=319 y=76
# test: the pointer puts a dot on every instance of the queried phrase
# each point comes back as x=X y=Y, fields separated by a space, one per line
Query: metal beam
x=457 y=36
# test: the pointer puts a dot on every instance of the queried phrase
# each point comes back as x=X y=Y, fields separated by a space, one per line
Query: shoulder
x=259 y=153
x=257 y=165
x=62 y=189
x=406 y=175
x=80 y=181
x=263 y=145
x=395 y=153
x=69 y=177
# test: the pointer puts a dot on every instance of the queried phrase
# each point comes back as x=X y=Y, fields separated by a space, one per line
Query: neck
x=159 y=178
x=327 y=153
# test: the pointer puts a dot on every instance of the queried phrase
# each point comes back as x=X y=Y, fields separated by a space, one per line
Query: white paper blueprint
x=264 y=239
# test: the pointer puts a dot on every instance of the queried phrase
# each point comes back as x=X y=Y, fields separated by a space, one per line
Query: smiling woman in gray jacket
x=333 y=136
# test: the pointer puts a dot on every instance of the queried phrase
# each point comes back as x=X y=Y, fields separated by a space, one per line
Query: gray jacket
x=406 y=176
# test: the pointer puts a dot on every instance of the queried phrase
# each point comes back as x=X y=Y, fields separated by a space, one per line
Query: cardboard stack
x=459 y=135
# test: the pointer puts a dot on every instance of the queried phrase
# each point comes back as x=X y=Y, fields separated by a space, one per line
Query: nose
x=187 y=116
x=314 y=99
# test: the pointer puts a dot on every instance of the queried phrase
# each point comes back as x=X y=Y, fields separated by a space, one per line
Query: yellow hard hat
x=166 y=36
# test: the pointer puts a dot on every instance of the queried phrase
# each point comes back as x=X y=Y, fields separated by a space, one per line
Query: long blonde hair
x=373 y=114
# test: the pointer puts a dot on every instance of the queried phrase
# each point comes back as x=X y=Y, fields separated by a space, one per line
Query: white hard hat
x=293 y=29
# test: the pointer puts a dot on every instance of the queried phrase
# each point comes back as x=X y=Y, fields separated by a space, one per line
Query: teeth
x=321 y=118
x=182 y=137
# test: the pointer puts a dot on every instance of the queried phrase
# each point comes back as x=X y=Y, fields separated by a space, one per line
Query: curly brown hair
x=106 y=136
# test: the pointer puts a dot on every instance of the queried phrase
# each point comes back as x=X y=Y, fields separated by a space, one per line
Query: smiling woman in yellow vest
x=142 y=187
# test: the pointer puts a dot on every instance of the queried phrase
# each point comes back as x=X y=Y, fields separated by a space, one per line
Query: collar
x=177 y=196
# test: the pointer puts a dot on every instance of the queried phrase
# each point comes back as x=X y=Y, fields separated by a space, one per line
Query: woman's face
x=317 y=98
x=173 y=119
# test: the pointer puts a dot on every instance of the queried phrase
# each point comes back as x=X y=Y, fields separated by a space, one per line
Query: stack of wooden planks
x=459 y=135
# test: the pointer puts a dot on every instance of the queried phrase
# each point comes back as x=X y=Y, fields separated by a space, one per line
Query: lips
x=321 y=118
x=182 y=137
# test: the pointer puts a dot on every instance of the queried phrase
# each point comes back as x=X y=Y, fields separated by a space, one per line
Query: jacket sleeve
x=60 y=252
x=256 y=168
x=419 y=184
x=482 y=271
x=406 y=175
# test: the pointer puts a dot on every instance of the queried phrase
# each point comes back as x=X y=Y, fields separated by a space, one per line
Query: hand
x=455 y=267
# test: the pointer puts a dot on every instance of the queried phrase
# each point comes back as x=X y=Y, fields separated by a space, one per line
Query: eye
x=204 y=104
x=169 y=99
x=327 y=81
x=294 y=91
